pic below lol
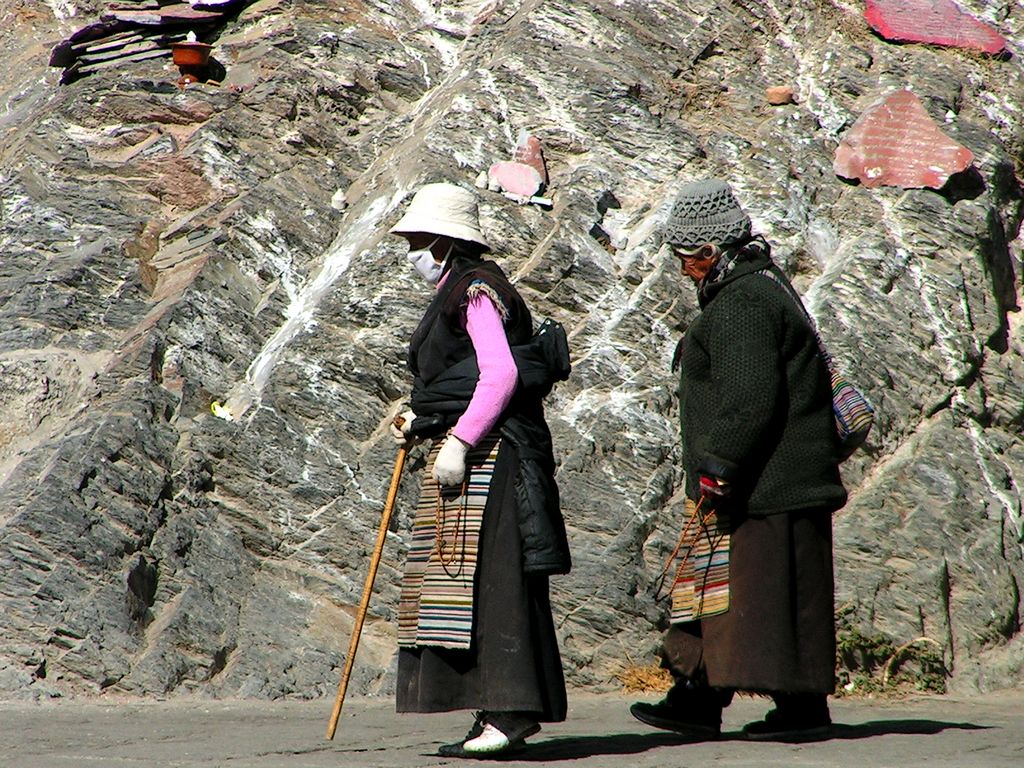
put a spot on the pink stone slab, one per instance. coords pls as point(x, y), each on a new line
point(168, 14)
point(529, 152)
point(896, 143)
point(517, 178)
point(940, 22)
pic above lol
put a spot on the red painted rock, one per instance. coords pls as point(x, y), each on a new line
point(940, 22)
point(529, 152)
point(896, 143)
point(517, 178)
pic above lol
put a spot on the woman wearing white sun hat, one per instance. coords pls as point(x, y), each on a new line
point(475, 623)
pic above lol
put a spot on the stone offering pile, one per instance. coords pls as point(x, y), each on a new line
point(128, 32)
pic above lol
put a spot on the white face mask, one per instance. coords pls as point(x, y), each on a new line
point(423, 260)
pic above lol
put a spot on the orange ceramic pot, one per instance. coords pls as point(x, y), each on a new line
point(191, 54)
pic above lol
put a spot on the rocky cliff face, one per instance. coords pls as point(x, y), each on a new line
point(164, 248)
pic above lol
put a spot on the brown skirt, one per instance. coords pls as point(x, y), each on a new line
point(513, 664)
point(778, 635)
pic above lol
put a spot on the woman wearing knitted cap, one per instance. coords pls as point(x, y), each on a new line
point(752, 597)
point(475, 625)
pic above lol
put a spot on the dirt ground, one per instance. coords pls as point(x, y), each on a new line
point(985, 731)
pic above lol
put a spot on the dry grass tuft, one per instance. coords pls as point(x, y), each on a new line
point(649, 679)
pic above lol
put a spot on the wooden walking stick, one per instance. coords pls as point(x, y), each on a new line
point(382, 532)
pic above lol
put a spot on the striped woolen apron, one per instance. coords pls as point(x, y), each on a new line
point(435, 607)
point(701, 585)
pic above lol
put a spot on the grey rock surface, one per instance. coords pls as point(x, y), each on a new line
point(162, 249)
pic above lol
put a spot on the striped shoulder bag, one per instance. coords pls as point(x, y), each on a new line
point(853, 413)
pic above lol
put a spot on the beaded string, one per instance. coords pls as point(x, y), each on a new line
point(458, 548)
point(686, 555)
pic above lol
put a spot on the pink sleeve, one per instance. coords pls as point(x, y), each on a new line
point(498, 373)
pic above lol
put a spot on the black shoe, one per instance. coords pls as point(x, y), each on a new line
point(686, 709)
point(670, 719)
point(517, 726)
point(455, 749)
point(792, 723)
point(506, 733)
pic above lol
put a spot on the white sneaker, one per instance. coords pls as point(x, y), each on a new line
point(491, 740)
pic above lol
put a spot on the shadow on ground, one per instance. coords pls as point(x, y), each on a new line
point(576, 748)
point(889, 727)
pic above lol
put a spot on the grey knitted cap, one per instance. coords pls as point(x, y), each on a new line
point(706, 212)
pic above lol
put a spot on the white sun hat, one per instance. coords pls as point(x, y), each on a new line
point(443, 209)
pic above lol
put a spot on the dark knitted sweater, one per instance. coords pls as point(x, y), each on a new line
point(756, 397)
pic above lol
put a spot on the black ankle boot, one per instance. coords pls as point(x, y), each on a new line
point(692, 709)
point(796, 717)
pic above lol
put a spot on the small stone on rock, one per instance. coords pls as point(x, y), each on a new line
point(779, 94)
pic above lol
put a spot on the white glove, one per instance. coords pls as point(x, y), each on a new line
point(400, 434)
point(450, 464)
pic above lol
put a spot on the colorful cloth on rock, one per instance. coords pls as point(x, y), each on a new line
point(435, 607)
point(701, 585)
